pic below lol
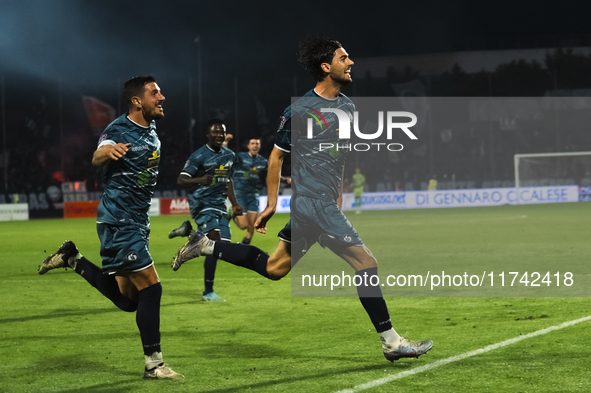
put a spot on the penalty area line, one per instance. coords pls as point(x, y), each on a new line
point(456, 358)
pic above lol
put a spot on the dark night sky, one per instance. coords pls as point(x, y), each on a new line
point(90, 47)
point(81, 40)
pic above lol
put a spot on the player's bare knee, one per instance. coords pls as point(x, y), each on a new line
point(368, 263)
point(277, 268)
point(367, 260)
point(275, 275)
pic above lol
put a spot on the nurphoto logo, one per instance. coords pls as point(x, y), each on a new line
point(344, 119)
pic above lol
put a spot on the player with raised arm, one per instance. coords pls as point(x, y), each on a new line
point(208, 176)
point(249, 167)
point(317, 179)
point(128, 153)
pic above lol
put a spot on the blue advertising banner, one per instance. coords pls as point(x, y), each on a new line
point(463, 198)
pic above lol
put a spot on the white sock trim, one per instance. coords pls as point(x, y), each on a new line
point(390, 339)
point(73, 261)
point(208, 248)
point(153, 360)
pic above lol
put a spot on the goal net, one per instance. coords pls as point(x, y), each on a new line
point(553, 169)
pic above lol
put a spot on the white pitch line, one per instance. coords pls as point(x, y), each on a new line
point(456, 358)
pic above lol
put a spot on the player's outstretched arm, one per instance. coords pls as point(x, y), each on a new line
point(236, 208)
point(261, 222)
point(186, 181)
point(274, 176)
point(105, 153)
point(273, 180)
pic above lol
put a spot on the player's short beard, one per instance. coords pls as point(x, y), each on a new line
point(153, 115)
point(343, 81)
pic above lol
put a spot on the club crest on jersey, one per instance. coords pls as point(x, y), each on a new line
point(132, 256)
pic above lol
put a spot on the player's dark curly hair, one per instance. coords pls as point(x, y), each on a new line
point(315, 50)
point(135, 87)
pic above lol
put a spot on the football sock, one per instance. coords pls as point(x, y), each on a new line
point(243, 255)
point(207, 248)
point(390, 339)
point(209, 272)
point(245, 241)
point(148, 318)
point(106, 284)
point(73, 261)
point(372, 300)
point(154, 360)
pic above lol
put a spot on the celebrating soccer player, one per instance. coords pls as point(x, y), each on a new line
point(249, 166)
point(317, 177)
point(128, 153)
point(207, 175)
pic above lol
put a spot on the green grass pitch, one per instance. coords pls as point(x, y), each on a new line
point(58, 334)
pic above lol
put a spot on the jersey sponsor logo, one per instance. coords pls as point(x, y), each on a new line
point(154, 160)
point(139, 148)
point(336, 151)
point(143, 178)
point(220, 175)
point(252, 173)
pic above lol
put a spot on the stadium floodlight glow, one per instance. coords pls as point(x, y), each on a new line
point(552, 169)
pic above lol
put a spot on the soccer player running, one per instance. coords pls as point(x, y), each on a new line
point(248, 169)
point(358, 184)
point(128, 153)
point(207, 175)
point(317, 178)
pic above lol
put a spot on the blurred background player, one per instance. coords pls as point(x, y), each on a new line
point(358, 184)
point(128, 153)
point(317, 179)
point(249, 167)
point(432, 184)
point(207, 174)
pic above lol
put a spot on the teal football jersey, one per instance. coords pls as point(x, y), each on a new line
point(129, 182)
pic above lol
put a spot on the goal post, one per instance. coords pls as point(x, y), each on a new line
point(552, 169)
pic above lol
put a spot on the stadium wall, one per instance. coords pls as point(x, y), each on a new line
point(370, 201)
point(14, 211)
